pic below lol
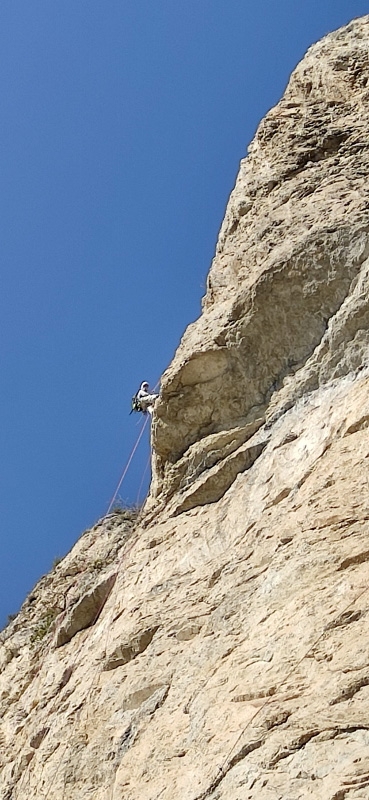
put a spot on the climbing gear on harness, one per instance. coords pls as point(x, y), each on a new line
point(143, 400)
point(135, 404)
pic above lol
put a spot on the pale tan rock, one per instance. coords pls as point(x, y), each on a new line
point(230, 656)
point(286, 306)
point(86, 611)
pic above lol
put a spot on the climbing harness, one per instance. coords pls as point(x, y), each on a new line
point(143, 399)
point(125, 553)
point(135, 404)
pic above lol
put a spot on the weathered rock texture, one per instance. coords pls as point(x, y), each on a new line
point(219, 648)
point(285, 311)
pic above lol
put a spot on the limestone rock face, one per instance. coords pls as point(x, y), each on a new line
point(285, 310)
point(218, 647)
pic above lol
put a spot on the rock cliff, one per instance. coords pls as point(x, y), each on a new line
point(218, 646)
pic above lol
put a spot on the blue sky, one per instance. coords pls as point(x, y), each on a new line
point(122, 127)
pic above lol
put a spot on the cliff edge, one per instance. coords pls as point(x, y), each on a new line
point(218, 648)
point(285, 311)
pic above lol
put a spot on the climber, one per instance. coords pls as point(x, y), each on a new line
point(144, 400)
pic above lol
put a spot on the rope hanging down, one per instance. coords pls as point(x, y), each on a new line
point(122, 557)
point(112, 501)
point(142, 480)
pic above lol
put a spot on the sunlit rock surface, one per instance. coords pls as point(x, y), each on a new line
point(218, 647)
point(286, 306)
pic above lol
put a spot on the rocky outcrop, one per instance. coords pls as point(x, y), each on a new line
point(286, 306)
point(217, 648)
point(86, 611)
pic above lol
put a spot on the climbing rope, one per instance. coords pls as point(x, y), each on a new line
point(124, 554)
point(228, 762)
point(142, 480)
point(126, 468)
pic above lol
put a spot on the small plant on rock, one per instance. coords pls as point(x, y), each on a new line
point(43, 626)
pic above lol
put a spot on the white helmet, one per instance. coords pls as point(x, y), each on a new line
point(144, 385)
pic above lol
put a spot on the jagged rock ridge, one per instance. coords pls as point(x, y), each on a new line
point(218, 648)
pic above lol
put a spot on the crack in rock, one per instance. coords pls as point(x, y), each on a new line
point(127, 651)
point(223, 771)
point(86, 611)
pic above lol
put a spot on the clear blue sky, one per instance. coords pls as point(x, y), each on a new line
point(122, 127)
